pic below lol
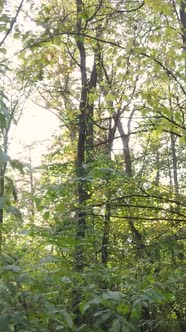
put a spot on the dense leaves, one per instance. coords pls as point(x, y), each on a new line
point(93, 239)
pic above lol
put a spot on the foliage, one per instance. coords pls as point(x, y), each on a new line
point(93, 239)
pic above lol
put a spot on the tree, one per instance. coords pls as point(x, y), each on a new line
point(10, 109)
point(106, 237)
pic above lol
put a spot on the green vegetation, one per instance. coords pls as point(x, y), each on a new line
point(94, 238)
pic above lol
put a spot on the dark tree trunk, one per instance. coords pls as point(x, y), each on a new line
point(183, 22)
point(81, 191)
point(106, 226)
point(137, 237)
point(157, 168)
point(2, 185)
point(3, 167)
point(84, 155)
point(105, 239)
point(80, 170)
point(174, 163)
point(126, 148)
point(90, 108)
point(85, 138)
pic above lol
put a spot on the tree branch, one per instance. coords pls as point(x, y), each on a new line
point(12, 24)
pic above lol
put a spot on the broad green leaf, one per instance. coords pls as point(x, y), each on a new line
point(4, 322)
point(3, 157)
point(16, 164)
point(2, 202)
point(116, 326)
point(3, 50)
point(2, 121)
point(68, 319)
point(15, 211)
point(13, 268)
point(110, 97)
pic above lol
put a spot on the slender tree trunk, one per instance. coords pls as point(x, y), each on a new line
point(81, 191)
point(80, 170)
point(91, 90)
point(32, 207)
point(183, 22)
point(126, 148)
point(2, 187)
point(105, 238)
point(3, 166)
point(84, 155)
point(90, 107)
point(157, 168)
point(85, 138)
point(67, 103)
point(138, 239)
point(107, 219)
point(169, 167)
point(174, 163)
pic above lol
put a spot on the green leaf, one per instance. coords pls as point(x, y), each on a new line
point(110, 97)
point(2, 202)
point(116, 326)
point(16, 164)
point(68, 319)
point(2, 121)
point(84, 14)
point(116, 296)
point(3, 157)
point(25, 278)
point(123, 308)
point(46, 215)
point(3, 50)
point(15, 211)
point(13, 268)
point(4, 323)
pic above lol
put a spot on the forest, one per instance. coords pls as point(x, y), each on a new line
point(92, 239)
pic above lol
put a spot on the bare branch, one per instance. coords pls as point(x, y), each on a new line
point(12, 24)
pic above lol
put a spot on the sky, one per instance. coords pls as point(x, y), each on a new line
point(33, 134)
point(36, 126)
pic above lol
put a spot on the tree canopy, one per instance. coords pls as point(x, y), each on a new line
point(93, 239)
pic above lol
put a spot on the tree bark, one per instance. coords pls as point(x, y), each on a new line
point(126, 148)
point(105, 238)
point(174, 163)
point(85, 136)
point(107, 218)
point(81, 191)
point(183, 22)
point(2, 186)
point(157, 168)
point(137, 237)
point(3, 166)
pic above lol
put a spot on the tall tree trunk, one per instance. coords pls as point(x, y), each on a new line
point(107, 218)
point(126, 148)
point(2, 188)
point(84, 153)
point(85, 136)
point(183, 22)
point(80, 172)
point(3, 166)
point(157, 168)
point(174, 163)
point(90, 107)
point(106, 226)
point(91, 90)
point(138, 239)
point(31, 178)
point(105, 238)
